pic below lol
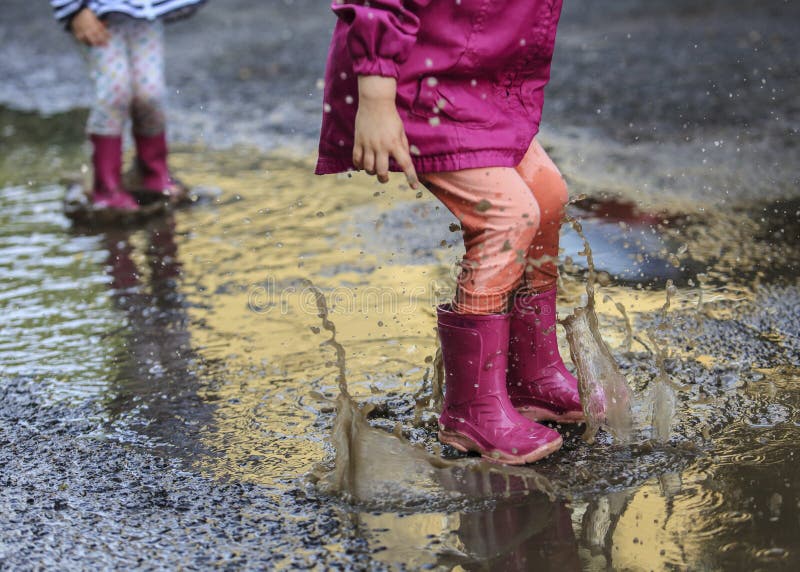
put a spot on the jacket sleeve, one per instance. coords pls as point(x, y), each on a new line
point(380, 33)
point(64, 10)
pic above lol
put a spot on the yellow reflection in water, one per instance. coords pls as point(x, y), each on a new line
point(275, 225)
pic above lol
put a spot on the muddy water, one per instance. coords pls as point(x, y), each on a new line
point(201, 338)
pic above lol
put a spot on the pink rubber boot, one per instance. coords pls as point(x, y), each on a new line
point(477, 414)
point(107, 191)
point(539, 384)
point(151, 160)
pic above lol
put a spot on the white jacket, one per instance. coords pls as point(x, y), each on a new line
point(141, 9)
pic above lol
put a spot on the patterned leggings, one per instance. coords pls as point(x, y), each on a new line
point(128, 75)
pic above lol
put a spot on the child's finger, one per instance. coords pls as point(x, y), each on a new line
point(358, 157)
point(404, 161)
point(102, 32)
point(382, 166)
point(92, 37)
point(369, 161)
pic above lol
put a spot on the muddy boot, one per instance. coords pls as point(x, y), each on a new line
point(107, 191)
point(539, 384)
point(477, 414)
point(152, 176)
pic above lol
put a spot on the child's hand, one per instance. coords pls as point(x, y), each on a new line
point(379, 131)
point(89, 29)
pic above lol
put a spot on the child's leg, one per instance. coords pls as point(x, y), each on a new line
point(146, 46)
point(539, 384)
point(499, 218)
point(544, 179)
point(110, 73)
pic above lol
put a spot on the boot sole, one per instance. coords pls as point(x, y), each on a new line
point(543, 414)
point(465, 444)
point(79, 209)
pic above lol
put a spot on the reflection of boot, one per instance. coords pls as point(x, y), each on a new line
point(163, 252)
point(165, 267)
point(122, 269)
point(152, 168)
point(107, 191)
point(477, 414)
point(539, 384)
point(534, 534)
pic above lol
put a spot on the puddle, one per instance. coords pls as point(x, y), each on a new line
point(199, 335)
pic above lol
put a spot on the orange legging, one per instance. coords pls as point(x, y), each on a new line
point(510, 219)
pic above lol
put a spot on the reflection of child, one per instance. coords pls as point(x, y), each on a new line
point(454, 91)
point(126, 57)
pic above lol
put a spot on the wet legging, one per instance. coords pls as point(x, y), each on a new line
point(510, 219)
point(128, 75)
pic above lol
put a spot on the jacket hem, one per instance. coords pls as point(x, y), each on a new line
point(168, 11)
point(446, 162)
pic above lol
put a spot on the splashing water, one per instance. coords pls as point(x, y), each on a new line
point(376, 467)
point(604, 391)
point(366, 462)
point(662, 395)
point(628, 342)
point(662, 399)
point(431, 393)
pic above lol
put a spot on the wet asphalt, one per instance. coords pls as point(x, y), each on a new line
point(696, 101)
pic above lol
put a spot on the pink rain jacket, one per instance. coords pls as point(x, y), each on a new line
point(470, 77)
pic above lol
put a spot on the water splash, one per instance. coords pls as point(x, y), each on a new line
point(627, 343)
point(662, 394)
point(372, 466)
point(662, 398)
point(604, 391)
point(431, 393)
point(605, 394)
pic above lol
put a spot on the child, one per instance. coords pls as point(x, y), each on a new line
point(453, 91)
point(126, 58)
